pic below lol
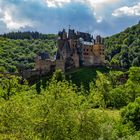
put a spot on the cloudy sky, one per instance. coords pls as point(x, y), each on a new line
point(105, 17)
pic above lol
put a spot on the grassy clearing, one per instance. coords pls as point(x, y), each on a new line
point(83, 76)
point(113, 114)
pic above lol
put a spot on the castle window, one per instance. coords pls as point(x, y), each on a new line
point(102, 49)
point(85, 53)
point(87, 50)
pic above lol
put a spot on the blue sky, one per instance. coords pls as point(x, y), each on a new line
point(105, 17)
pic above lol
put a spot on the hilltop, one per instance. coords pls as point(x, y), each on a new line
point(86, 103)
point(123, 49)
point(19, 49)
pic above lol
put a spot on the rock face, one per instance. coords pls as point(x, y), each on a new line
point(75, 49)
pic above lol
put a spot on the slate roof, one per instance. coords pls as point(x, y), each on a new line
point(67, 47)
point(86, 36)
point(44, 55)
point(72, 34)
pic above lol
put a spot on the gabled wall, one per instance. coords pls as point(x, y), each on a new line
point(91, 53)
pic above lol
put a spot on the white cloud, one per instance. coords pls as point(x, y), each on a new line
point(128, 11)
point(97, 6)
point(93, 3)
point(99, 19)
point(56, 3)
point(37, 14)
point(11, 22)
point(14, 24)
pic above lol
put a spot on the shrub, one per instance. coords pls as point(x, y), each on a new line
point(131, 113)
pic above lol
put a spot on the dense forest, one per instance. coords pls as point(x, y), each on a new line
point(58, 109)
point(28, 35)
point(16, 52)
point(123, 49)
point(82, 104)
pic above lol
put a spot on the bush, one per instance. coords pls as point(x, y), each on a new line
point(131, 113)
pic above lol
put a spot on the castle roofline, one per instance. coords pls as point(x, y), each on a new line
point(87, 43)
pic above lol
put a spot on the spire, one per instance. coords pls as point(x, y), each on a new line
point(69, 27)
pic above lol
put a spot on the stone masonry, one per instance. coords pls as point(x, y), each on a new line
point(74, 49)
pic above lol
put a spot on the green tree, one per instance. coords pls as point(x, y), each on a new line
point(131, 113)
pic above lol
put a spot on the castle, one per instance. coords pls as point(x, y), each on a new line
point(74, 49)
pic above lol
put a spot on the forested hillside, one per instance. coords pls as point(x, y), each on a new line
point(123, 49)
point(28, 35)
point(59, 110)
point(20, 51)
point(82, 104)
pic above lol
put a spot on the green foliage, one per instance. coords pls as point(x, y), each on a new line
point(62, 111)
point(86, 107)
point(28, 35)
point(131, 114)
point(123, 49)
point(83, 76)
point(2, 69)
point(9, 86)
point(108, 91)
point(118, 97)
point(58, 113)
point(58, 75)
point(20, 53)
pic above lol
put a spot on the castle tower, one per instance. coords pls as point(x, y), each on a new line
point(98, 50)
point(72, 34)
point(99, 40)
point(64, 36)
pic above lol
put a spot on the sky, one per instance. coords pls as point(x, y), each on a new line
point(104, 17)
